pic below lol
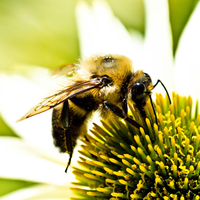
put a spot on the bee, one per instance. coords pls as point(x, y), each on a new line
point(100, 82)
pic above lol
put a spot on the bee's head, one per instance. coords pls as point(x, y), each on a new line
point(141, 88)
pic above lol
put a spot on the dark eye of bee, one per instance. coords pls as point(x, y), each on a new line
point(138, 89)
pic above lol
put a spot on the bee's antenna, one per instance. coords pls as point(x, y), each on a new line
point(159, 81)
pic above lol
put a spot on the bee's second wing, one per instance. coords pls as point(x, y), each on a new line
point(65, 70)
point(60, 96)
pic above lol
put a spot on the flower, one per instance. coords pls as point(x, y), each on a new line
point(152, 53)
point(158, 161)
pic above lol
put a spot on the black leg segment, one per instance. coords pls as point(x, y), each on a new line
point(120, 113)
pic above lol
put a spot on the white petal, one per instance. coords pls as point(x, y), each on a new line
point(158, 58)
point(101, 32)
point(187, 58)
point(18, 161)
point(40, 192)
point(18, 95)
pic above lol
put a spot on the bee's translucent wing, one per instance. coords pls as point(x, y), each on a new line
point(60, 96)
point(65, 70)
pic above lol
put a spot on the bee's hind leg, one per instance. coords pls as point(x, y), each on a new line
point(69, 161)
point(60, 130)
point(121, 113)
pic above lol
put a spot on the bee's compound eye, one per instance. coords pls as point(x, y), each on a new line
point(138, 91)
point(138, 88)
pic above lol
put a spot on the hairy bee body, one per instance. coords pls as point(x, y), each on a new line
point(70, 121)
point(99, 83)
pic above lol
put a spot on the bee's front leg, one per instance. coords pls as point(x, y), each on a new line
point(121, 113)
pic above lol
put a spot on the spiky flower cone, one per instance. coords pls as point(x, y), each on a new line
point(159, 161)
